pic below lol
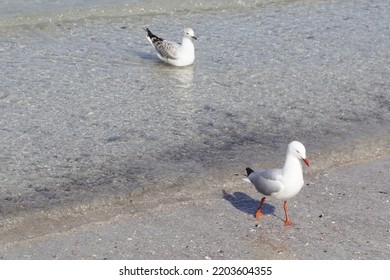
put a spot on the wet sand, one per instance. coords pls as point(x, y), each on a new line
point(341, 214)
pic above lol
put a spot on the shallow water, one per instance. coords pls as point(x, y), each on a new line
point(89, 112)
point(32, 12)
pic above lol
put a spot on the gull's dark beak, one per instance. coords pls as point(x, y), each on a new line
point(194, 37)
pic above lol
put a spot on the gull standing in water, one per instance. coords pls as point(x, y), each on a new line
point(283, 183)
point(174, 53)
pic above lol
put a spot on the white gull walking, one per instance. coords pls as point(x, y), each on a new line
point(283, 183)
point(174, 53)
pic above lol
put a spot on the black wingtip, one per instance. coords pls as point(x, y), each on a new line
point(153, 37)
point(150, 34)
point(249, 171)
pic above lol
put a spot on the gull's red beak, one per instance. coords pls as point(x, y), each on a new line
point(306, 161)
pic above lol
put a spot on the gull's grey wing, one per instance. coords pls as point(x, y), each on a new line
point(267, 181)
point(166, 48)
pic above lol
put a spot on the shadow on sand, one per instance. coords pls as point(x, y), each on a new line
point(247, 204)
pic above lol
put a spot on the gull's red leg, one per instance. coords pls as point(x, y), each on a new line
point(258, 212)
point(287, 222)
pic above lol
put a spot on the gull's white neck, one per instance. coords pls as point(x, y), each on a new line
point(292, 168)
point(187, 44)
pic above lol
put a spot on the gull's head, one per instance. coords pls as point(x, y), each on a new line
point(297, 149)
point(189, 33)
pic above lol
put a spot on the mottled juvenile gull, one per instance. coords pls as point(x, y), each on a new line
point(174, 53)
point(282, 183)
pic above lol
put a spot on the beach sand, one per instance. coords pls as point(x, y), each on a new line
point(342, 213)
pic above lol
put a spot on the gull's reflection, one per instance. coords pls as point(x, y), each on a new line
point(181, 77)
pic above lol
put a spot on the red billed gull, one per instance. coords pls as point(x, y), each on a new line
point(283, 183)
point(174, 53)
